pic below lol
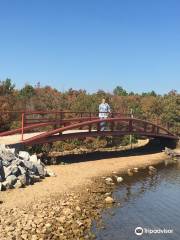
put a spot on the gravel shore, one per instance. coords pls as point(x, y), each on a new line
point(64, 206)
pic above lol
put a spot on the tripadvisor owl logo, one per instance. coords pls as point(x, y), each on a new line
point(138, 231)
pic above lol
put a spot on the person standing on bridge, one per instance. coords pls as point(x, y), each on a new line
point(104, 111)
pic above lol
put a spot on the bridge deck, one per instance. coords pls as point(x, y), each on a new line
point(16, 138)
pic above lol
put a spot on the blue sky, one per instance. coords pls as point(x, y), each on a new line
point(91, 44)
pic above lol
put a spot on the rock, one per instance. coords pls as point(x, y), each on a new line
point(6, 163)
point(15, 170)
point(48, 227)
point(24, 236)
point(50, 174)
point(7, 171)
point(109, 180)
point(151, 172)
point(6, 185)
point(108, 194)
point(109, 200)
point(2, 174)
point(11, 180)
point(2, 148)
point(34, 159)
point(135, 170)
point(11, 170)
point(23, 179)
point(66, 211)
point(17, 161)
point(30, 166)
point(119, 179)
point(35, 178)
point(9, 229)
point(40, 169)
point(22, 170)
point(61, 219)
point(129, 172)
point(78, 209)
point(12, 150)
point(34, 237)
point(153, 169)
point(18, 184)
point(7, 156)
point(24, 155)
point(79, 223)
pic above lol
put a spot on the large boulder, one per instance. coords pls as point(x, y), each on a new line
point(24, 155)
point(7, 156)
point(15, 170)
point(22, 170)
point(12, 170)
point(12, 179)
point(6, 163)
point(18, 184)
point(2, 148)
point(24, 179)
point(7, 171)
point(12, 150)
point(34, 159)
point(17, 161)
point(6, 185)
point(40, 170)
point(30, 166)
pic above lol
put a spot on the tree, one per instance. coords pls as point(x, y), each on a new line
point(119, 91)
point(7, 102)
point(6, 87)
point(25, 97)
point(27, 92)
point(152, 94)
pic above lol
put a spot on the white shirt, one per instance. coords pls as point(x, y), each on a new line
point(104, 109)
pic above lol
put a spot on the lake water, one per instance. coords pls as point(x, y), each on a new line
point(151, 202)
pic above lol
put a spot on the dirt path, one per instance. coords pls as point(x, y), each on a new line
point(71, 177)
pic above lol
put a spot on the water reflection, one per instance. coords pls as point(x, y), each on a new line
point(149, 201)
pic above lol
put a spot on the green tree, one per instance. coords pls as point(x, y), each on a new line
point(6, 87)
point(25, 97)
point(152, 94)
point(120, 91)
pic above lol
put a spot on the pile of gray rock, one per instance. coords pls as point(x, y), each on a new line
point(18, 169)
point(172, 152)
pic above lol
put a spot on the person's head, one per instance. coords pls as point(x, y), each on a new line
point(103, 100)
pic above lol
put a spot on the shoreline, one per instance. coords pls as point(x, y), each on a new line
point(72, 176)
point(64, 206)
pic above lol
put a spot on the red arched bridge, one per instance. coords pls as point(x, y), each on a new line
point(51, 126)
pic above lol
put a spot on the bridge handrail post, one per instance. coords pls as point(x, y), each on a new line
point(130, 125)
point(131, 113)
point(22, 126)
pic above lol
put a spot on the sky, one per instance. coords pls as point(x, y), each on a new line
point(91, 44)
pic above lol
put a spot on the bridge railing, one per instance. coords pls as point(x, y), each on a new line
point(41, 116)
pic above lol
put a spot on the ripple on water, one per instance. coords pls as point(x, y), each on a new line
point(146, 201)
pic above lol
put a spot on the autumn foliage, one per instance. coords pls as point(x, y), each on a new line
point(160, 108)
